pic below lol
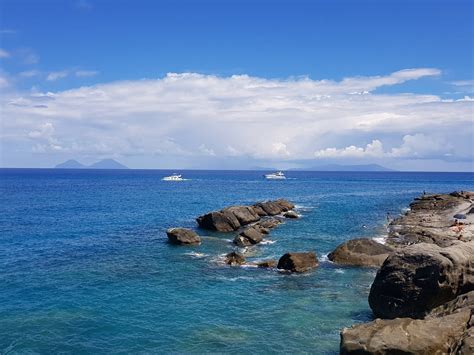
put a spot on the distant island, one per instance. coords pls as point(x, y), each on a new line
point(337, 167)
point(102, 164)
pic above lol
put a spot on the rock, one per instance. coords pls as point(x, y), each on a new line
point(420, 277)
point(298, 262)
point(244, 214)
point(182, 236)
point(285, 204)
point(259, 210)
point(406, 336)
point(234, 258)
point(291, 214)
point(271, 263)
point(271, 208)
point(446, 330)
point(360, 252)
point(219, 221)
point(248, 236)
point(269, 223)
point(232, 218)
point(459, 216)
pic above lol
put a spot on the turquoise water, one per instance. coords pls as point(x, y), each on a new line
point(85, 266)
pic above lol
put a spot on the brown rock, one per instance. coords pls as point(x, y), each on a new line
point(234, 259)
point(182, 236)
point(219, 221)
point(446, 330)
point(360, 252)
point(244, 214)
point(420, 277)
point(298, 262)
point(248, 236)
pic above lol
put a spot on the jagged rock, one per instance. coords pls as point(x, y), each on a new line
point(285, 204)
point(446, 330)
point(182, 236)
point(271, 208)
point(232, 218)
point(298, 262)
point(271, 263)
point(234, 258)
point(269, 223)
point(360, 252)
point(219, 221)
point(420, 277)
point(291, 214)
point(248, 236)
point(244, 214)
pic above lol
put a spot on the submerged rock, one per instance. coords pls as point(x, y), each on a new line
point(271, 263)
point(420, 277)
point(298, 262)
point(446, 330)
point(248, 236)
point(234, 258)
point(360, 252)
point(182, 236)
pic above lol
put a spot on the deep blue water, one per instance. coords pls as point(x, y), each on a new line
point(85, 266)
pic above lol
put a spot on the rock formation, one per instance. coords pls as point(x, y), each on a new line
point(360, 252)
point(232, 218)
point(182, 236)
point(298, 262)
point(418, 278)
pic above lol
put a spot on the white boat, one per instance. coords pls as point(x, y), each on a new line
point(174, 177)
point(275, 176)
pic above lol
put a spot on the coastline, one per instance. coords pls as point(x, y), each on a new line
point(425, 285)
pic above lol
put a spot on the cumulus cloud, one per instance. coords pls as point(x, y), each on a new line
point(194, 115)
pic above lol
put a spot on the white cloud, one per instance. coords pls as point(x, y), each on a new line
point(371, 150)
point(86, 73)
point(242, 116)
point(53, 76)
point(463, 83)
point(4, 82)
point(4, 53)
point(413, 146)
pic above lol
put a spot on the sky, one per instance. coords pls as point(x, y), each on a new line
point(238, 84)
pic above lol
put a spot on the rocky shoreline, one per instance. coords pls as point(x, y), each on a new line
point(423, 292)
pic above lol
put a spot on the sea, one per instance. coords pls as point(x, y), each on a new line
point(85, 266)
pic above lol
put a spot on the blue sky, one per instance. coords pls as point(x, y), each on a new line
point(57, 46)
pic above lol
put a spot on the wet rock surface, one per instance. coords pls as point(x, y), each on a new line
point(234, 259)
point(182, 236)
point(360, 252)
point(298, 262)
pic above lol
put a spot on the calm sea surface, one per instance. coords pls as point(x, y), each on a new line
point(85, 266)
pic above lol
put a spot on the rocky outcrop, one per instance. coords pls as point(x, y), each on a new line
point(418, 278)
point(360, 252)
point(232, 218)
point(182, 236)
point(249, 236)
point(268, 223)
point(298, 262)
point(234, 259)
point(430, 220)
point(446, 330)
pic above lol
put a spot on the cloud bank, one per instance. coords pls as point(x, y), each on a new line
point(196, 118)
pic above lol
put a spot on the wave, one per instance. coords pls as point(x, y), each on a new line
point(196, 254)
